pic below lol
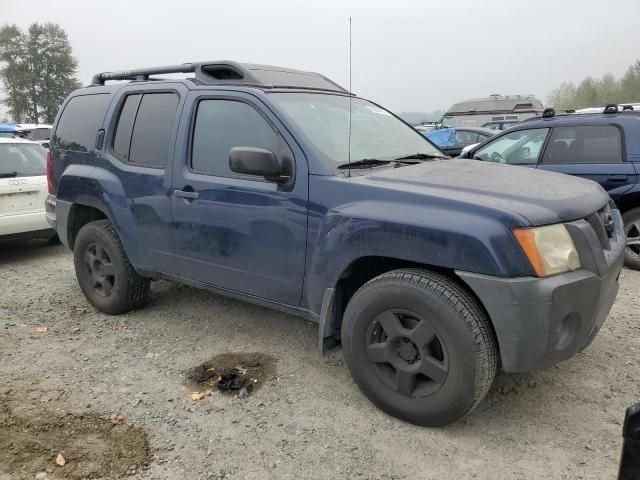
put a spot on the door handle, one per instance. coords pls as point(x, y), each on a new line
point(617, 178)
point(186, 194)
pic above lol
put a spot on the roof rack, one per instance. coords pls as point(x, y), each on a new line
point(548, 113)
point(230, 73)
point(611, 108)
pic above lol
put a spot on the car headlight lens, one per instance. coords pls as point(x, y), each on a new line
point(550, 249)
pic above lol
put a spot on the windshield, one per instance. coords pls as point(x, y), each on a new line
point(447, 121)
point(375, 133)
point(24, 160)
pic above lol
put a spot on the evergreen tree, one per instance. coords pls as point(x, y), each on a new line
point(37, 71)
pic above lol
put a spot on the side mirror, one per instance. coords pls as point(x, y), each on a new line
point(466, 151)
point(256, 161)
point(525, 152)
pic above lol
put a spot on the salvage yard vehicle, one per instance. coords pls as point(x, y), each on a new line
point(495, 111)
point(248, 180)
point(23, 190)
point(600, 146)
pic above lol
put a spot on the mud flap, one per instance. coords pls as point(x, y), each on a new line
point(327, 331)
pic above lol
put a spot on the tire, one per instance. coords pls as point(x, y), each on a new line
point(631, 220)
point(419, 347)
point(104, 272)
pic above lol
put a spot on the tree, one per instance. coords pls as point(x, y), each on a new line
point(38, 71)
point(592, 92)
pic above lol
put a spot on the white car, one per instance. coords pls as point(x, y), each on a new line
point(23, 190)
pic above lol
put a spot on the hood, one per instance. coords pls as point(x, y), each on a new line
point(540, 197)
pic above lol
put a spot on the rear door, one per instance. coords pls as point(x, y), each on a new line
point(594, 152)
point(138, 147)
point(23, 183)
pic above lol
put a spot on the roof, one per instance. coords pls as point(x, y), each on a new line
point(583, 118)
point(484, 130)
point(32, 126)
point(225, 72)
point(497, 103)
point(17, 140)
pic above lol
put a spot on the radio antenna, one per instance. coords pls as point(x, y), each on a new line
point(350, 97)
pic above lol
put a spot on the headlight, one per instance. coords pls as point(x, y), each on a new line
point(550, 249)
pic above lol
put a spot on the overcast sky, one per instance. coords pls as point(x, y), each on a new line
point(408, 55)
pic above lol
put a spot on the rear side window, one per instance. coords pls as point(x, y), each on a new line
point(145, 128)
point(80, 121)
point(224, 124)
point(584, 144)
point(122, 138)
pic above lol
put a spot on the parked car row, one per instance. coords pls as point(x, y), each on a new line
point(603, 147)
point(37, 132)
point(453, 140)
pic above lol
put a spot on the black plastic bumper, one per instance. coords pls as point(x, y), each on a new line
point(542, 321)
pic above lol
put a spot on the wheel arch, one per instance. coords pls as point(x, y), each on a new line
point(358, 273)
point(79, 215)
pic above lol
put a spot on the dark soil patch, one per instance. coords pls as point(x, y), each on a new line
point(30, 441)
point(236, 373)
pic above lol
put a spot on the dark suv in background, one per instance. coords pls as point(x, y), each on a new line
point(603, 147)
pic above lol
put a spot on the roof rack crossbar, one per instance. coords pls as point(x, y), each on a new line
point(224, 72)
point(141, 74)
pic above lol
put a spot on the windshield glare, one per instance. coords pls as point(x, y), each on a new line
point(24, 159)
point(375, 133)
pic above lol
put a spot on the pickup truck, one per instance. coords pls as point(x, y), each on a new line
point(280, 187)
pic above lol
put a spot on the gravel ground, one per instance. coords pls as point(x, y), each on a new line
point(91, 380)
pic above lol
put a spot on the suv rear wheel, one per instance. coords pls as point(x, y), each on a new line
point(419, 346)
point(631, 221)
point(104, 272)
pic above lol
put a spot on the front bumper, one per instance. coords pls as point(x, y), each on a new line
point(542, 321)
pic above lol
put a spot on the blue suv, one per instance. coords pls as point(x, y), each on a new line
point(603, 147)
point(281, 188)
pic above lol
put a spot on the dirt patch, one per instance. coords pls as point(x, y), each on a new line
point(236, 373)
point(32, 440)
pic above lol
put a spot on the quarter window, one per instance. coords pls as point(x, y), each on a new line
point(221, 125)
point(584, 144)
point(80, 121)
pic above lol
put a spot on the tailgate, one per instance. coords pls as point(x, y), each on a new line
point(22, 194)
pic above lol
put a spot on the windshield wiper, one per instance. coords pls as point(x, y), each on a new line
point(420, 156)
point(364, 163)
point(8, 175)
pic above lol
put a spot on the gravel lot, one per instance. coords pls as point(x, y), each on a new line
point(111, 395)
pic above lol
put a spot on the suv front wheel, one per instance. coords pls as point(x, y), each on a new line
point(104, 272)
point(419, 346)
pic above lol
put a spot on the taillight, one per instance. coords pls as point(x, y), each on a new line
point(49, 184)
